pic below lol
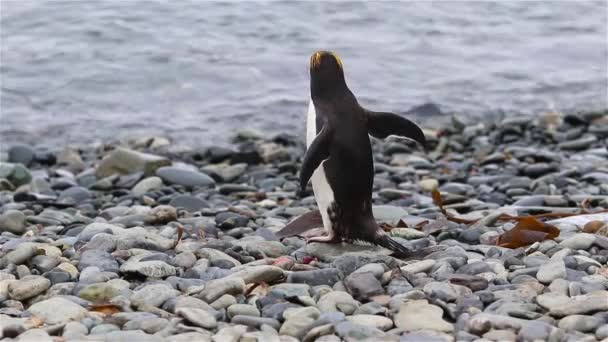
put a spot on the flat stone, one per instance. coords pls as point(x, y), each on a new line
point(184, 177)
point(338, 301)
point(13, 221)
point(28, 287)
point(151, 268)
point(580, 323)
point(579, 241)
point(189, 203)
point(419, 266)
point(214, 289)
point(258, 274)
point(98, 258)
point(548, 272)
point(375, 321)
point(153, 295)
point(419, 315)
point(198, 317)
point(560, 305)
point(57, 310)
point(363, 285)
point(146, 185)
point(124, 161)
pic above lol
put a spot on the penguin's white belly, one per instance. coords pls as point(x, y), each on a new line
point(324, 195)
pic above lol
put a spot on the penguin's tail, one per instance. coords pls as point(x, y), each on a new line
point(403, 252)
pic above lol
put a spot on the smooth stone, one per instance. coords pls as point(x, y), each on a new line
point(296, 327)
point(297, 313)
point(378, 322)
point(419, 266)
point(445, 291)
point(189, 203)
point(419, 314)
point(28, 287)
point(21, 154)
point(242, 309)
point(151, 268)
point(500, 335)
point(103, 292)
point(255, 322)
point(407, 233)
point(338, 301)
point(129, 336)
point(560, 305)
point(214, 289)
point(429, 336)
point(184, 177)
point(153, 295)
point(579, 241)
point(364, 285)
point(349, 331)
point(580, 323)
point(75, 195)
point(190, 337)
point(74, 331)
point(57, 310)
point(149, 326)
point(34, 335)
point(146, 185)
point(13, 221)
point(98, 258)
point(428, 184)
point(550, 271)
point(475, 283)
point(258, 274)
point(375, 268)
point(198, 317)
point(124, 161)
point(535, 331)
point(331, 251)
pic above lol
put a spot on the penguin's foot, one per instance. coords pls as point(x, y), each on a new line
point(326, 238)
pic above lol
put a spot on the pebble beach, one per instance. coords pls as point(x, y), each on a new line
point(150, 240)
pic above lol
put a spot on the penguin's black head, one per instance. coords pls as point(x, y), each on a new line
point(326, 75)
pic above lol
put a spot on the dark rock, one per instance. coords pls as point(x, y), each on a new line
point(184, 177)
point(327, 276)
point(22, 154)
point(98, 258)
point(189, 203)
point(229, 220)
point(363, 285)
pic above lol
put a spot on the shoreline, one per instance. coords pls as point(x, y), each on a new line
point(148, 240)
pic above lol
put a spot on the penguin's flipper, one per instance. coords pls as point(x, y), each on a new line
point(302, 223)
point(317, 152)
point(381, 125)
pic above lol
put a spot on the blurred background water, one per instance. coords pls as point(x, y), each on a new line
point(198, 71)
